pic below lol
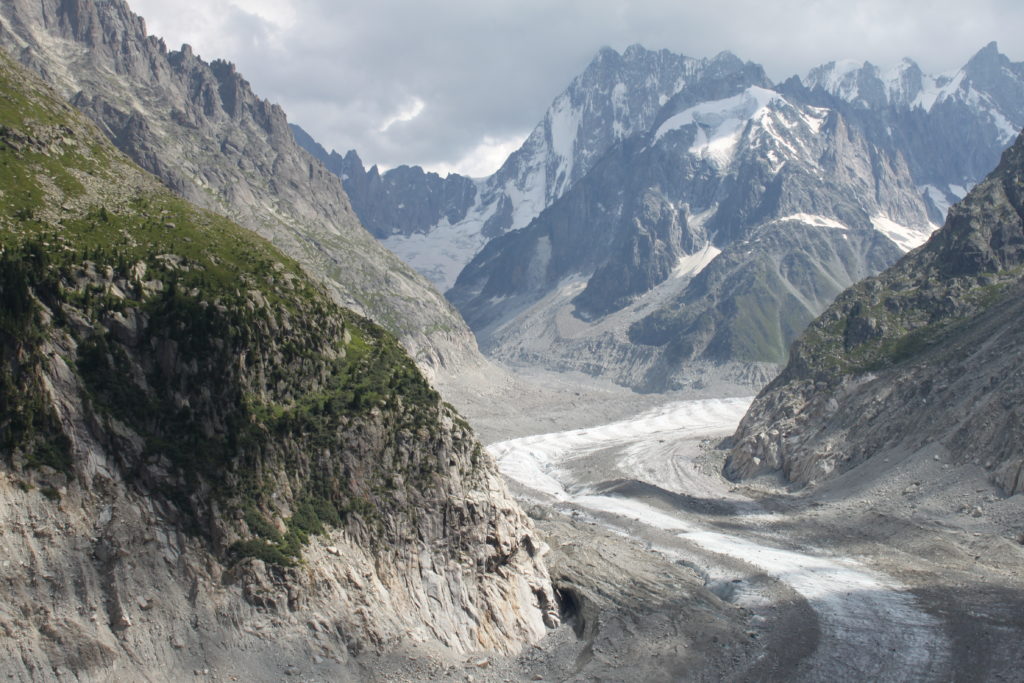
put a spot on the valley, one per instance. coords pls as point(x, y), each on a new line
point(715, 377)
point(869, 577)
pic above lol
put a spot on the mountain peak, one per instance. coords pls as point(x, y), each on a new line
point(986, 63)
point(635, 50)
point(727, 56)
point(992, 48)
point(352, 157)
point(606, 54)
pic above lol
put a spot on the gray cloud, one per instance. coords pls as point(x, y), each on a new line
point(486, 71)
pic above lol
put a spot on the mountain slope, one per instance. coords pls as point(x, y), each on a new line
point(199, 128)
point(204, 461)
point(714, 237)
point(924, 357)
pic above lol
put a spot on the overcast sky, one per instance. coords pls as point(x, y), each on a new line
point(456, 85)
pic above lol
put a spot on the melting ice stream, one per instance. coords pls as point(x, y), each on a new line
point(871, 627)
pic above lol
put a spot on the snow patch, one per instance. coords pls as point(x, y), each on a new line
point(938, 89)
point(814, 117)
point(841, 80)
point(528, 201)
point(619, 96)
point(906, 238)
point(1006, 128)
point(692, 264)
point(816, 221)
point(563, 128)
point(937, 197)
point(719, 123)
point(441, 254)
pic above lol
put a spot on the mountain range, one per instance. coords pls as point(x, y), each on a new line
point(675, 220)
point(220, 448)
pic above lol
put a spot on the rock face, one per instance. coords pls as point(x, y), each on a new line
point(199, 128)
point(723, 223)
point(205, 463)
point(404, 201)
point(924, 357)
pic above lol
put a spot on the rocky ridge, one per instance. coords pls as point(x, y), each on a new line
point(923, 359)
point(207, 465)
point(199, 128)
point(601, 107)
point(653, 164)
point(620, 95)
point(975, 110)
point(713, 238)
point(405, 200)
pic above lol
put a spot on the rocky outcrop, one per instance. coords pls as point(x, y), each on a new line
point(205, 463)
point(199, 127)
point(405, 200)
point(924, 357)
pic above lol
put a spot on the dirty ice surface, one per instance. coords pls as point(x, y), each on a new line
point(870, 626)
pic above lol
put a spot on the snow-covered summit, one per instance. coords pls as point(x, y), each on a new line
point(863, 82)
point(989, 84)
point(618, 95)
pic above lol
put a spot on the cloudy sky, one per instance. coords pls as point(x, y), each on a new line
point(456, 85)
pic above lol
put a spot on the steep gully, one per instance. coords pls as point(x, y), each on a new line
point(646, 476)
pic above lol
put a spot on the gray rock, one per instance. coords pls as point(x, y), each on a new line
point(147, 460)
point(943, 372)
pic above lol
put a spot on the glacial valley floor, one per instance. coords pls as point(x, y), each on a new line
point(908, 568)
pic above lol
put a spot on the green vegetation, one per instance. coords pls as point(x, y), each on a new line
point(251, 393)
point(869, 332)
point(372, 370)
point(28, 424)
